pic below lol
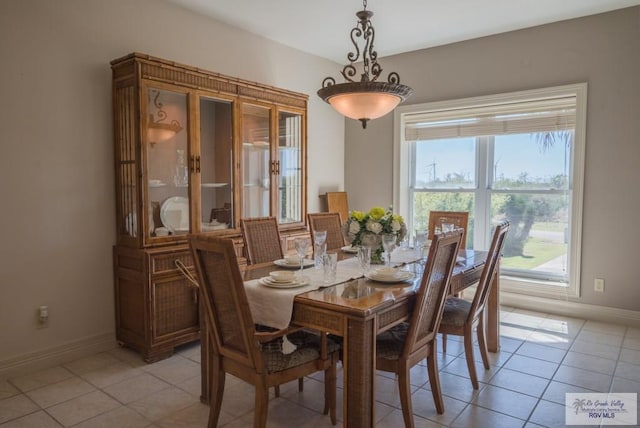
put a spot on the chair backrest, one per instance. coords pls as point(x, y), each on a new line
point(458, 218)
point(337, 203)
point(332, 224)
point(261, 239)
point(222, 215)
point(226, 308)
point(489, 270)
point(433, 290)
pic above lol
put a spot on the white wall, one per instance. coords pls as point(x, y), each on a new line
point(56, 164)
point(602, 50)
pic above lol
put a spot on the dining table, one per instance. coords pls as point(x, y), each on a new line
point(357, 309)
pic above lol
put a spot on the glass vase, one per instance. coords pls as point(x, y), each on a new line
point(374, 242)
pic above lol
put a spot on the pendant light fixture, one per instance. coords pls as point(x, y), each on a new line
point(367, 98)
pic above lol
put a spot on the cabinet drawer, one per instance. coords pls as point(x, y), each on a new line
point(166, 262)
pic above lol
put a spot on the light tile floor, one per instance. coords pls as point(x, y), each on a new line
point(542, 357)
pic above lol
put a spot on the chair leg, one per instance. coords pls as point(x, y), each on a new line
point(468, 352)
point(482, 343)
point(300, 384)
point(404, 385)
point(217, 389)
point(276, 389)
point(434, 379)
point(444, 343)
point(330, 393)
point(261, 405)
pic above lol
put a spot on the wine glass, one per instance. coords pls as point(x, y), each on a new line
point(448, 227)
point(319, 247)
point(302, 247)
point(420, 241)
point(364, 258)
point(388, 243)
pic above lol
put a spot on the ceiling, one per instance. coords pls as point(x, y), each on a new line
point(322, 27)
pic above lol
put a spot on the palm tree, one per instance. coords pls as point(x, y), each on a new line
point(548, 139)
point(579, 403)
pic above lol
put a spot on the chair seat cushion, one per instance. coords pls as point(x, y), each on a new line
point(456, 312)
point(307, 349)
point(390, 343)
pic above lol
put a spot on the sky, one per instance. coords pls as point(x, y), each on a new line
point(514, 154)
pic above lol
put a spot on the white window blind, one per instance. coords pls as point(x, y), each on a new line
point(552, 114)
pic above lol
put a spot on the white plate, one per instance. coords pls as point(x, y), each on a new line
point(349, 249)
point(461, 260)
point(213, 184)
point(267, 282)
point(174, 214)
point(271, 281)
point(401, 275)
point(296, 265)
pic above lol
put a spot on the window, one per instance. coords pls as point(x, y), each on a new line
point(516, 157)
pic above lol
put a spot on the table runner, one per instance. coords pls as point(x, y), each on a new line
point(273, 307)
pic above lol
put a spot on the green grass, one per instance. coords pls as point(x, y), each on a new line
point(548, 226)
point(537, 251)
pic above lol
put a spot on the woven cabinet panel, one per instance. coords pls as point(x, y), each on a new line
point(175, 306)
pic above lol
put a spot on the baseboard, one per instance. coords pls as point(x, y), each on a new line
point(571, 309)
point(56, 355)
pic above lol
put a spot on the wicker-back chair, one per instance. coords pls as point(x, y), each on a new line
point(458, 218)
point(460, 315)
point(406, 344)
point(331, 223)
point(238, 349)
point(261, 239)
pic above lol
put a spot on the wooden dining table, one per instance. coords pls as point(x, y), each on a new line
point(358, 310)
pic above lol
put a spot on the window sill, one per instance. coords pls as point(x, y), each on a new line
point(538, 288)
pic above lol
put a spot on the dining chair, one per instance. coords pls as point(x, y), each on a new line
point(457, 218)
point(460, 315)
point(261, 239)
point(337, 202)
point(405, 345)
point(238, 349)
point(262, 244)
point(332, 224)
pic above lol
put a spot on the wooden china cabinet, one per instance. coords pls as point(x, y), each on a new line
point(195, 151)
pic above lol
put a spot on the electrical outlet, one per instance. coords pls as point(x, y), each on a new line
point(43, 316)
point(598, 285)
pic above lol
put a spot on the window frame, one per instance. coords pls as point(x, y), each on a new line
point(402, 180)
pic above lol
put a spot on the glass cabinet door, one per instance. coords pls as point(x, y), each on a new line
point(215, 164)
point(257, 167)
point(289, 167)
point(167, 155)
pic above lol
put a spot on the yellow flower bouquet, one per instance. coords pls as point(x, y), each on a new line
point(367, 229)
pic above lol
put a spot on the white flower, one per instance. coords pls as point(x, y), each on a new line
point(354, 227)
point(395, 225)
point(374, 226)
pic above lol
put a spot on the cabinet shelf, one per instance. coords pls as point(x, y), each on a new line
point(214, 185)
